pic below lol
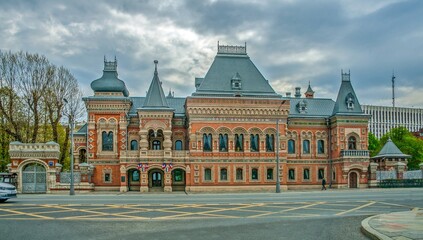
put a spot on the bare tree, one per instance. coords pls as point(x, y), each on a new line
point(34, 82)
point(11, 106)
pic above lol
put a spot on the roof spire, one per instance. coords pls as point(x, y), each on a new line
point(155, 96)
point(155, 68)
point(309, 93)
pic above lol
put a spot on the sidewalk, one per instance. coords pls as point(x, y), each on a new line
point(397, 225)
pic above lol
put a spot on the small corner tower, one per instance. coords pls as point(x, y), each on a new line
point(347, 101)
point(309, 93)
point(109, 83)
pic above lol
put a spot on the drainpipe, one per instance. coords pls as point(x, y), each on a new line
point(330, 152)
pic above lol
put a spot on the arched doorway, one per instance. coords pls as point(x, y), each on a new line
point(34, 179)
point(155, 180)
point(178, 180)
point(133, 180)
point(353, 179)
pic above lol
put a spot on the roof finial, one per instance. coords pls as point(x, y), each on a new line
point(155, 68)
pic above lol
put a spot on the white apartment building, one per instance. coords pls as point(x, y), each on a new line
point(383, 118)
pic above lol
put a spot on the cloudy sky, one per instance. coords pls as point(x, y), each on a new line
point(291, 42)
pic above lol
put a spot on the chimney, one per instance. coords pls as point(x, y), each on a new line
point(288, 94)
point(297, 92)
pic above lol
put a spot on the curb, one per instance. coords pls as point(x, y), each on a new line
point(371, 232)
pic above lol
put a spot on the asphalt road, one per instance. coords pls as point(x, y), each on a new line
point(332, 214)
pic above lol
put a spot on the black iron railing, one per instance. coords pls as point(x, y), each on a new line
point(400, 183)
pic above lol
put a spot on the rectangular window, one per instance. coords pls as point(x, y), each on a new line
point(321, 173)
point(177, 175)
point(107, 177)
point(239, 174)
point(306, 174)
point(223, 174)
point(254, 174)
point(270, 174)
point(207, 174)
point(291, 174)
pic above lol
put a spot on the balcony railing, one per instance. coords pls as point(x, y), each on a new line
point(154, 154)
point(354, 153)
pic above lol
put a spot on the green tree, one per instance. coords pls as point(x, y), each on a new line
point(374, 144)
point(407, 143)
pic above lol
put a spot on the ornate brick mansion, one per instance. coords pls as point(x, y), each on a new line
point(225, 136)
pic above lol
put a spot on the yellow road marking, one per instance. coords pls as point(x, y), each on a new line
point(210, 212)
point(356, 208)
point(90, 211)
point(27, 214)
point(286, 210)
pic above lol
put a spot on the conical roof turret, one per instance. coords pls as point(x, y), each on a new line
point(155, 96)
point(347, 101)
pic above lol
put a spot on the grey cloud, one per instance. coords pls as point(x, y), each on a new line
point(78, 34)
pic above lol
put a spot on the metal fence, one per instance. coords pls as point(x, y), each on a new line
point(65, 177)
point(416, 174)
point(382, 175)
point(401, 183)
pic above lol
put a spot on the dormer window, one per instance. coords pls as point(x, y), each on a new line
point(302, 106)
point(236, 82)
point(349, 100)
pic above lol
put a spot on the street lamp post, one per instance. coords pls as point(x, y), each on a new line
point(71, 188)
point(278, 181)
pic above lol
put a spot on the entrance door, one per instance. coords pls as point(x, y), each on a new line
point(34, 179)
point(353, 180)
point(133, 180)
point(156, 179)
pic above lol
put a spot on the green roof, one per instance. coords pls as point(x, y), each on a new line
point(347, 101)
point(313, 107)
point(109, 82)
point(229, 68)
point(176, 103)
point(390, 150)
point(155, 96)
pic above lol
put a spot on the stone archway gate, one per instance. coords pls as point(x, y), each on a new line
point(35, 164)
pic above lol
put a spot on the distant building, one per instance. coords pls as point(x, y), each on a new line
point(384, 118)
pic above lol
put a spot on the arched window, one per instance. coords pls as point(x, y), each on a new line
point(207, 142)
point(306, 146)
point(254, 174)
point(207, 174)
point(223, 174)
point(270, 143)
point(178, 145)
point(320, 146)
point(82, 155)
point(291, 146)
point(107, 140)
point(157, 145)
point(134, 145)
point(239, 143)
point(254, 143)
point(223, 142)
point(352, 143)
